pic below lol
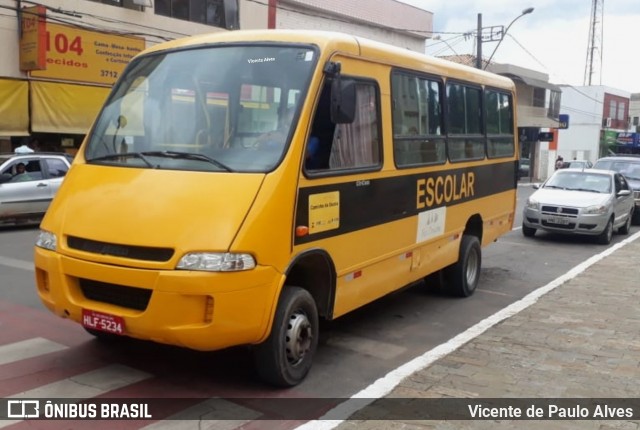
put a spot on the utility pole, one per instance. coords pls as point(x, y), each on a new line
point(479, 43)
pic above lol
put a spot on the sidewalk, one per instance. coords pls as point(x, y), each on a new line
point(579, 340)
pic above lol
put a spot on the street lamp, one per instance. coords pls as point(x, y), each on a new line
point(524, 12)
point(439, 37)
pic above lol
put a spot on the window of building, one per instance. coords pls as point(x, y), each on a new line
point(127, 4)
point(418, 136)
point(217, 13)
point(621, 108)
point(613, 108)
point(554, 105)
point(539, 97)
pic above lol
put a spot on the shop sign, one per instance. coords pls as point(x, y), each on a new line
point(609, 137)
point(628, 139)
point(33, 38)
point(86, 56)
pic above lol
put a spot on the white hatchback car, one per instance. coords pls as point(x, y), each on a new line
point(28, 183)
point(590, 202)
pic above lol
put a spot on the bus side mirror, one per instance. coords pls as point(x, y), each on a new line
point(343, 100)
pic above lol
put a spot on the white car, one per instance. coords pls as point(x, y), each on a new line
point(28, 183)
point(589, 202)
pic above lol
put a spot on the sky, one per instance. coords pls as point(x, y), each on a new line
point(553, 39)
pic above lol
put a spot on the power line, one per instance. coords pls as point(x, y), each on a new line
point(547, 70)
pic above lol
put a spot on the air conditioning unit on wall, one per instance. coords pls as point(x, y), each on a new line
point(606, 122)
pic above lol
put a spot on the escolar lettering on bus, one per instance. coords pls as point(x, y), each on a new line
point(444, 189)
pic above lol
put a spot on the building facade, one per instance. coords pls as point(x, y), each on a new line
point(60, 58)
point(598, 114)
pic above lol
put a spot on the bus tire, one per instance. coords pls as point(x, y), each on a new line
point(285, 358)
point(462, 277)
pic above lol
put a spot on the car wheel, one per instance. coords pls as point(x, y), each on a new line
point(528, 231)
point(604, 238)
point(285, 358)
point(627, 225)
point(461, 278)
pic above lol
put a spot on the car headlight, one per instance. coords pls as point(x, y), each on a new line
point(532, 204)
point(47, 240)
point(216, 262)
point(596, 210)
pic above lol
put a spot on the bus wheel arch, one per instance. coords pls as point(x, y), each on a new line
point(315, 272)
point(462, 277)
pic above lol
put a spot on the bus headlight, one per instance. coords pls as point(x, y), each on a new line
point(216, 262)
point(47, 240)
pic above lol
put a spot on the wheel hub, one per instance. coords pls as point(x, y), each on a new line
point(298, 337)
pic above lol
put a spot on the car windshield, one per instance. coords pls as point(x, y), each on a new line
point(206, 109)
point(580, 181)
point(630, 169)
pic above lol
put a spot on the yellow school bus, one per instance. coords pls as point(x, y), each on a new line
point(238, 187)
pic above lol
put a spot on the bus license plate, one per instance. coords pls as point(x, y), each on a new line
point(104, 322)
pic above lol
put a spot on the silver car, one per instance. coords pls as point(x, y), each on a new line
point(28, 183)
point(589, 202)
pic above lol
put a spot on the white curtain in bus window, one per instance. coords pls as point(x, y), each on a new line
point(417, 122)
point(357, 144)
point(466, 141)
point(499, 120)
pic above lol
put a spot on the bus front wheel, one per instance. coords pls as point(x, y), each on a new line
point(461, 278)
point(285, 358)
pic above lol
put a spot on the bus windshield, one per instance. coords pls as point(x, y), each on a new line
point(229, 108)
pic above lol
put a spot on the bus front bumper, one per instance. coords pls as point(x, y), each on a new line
point(198, 310)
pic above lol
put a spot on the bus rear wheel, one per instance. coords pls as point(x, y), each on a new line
point(463, 276)
point(285, 358)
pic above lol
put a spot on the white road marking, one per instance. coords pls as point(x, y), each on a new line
point(85, 385)
point(387, 383)
point(29, 348)
point(89, 384)
point(16, 264)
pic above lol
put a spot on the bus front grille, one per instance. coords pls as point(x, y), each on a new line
point(119, 295)
point(146, 253)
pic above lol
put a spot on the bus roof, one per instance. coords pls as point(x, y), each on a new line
point(347, 44)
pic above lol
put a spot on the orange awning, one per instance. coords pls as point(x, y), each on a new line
point(65, 108)
point(14, 107)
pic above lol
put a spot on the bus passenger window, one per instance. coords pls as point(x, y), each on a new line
point(417, 121)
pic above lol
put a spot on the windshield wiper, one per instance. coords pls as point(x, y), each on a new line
point(124, 155)
point(555, 186)
point(188, 156)
point(589, 190)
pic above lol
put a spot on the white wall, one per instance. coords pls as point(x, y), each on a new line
point(584, 107)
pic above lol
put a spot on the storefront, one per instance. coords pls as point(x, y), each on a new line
point(627, 143)
point(70, 72)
